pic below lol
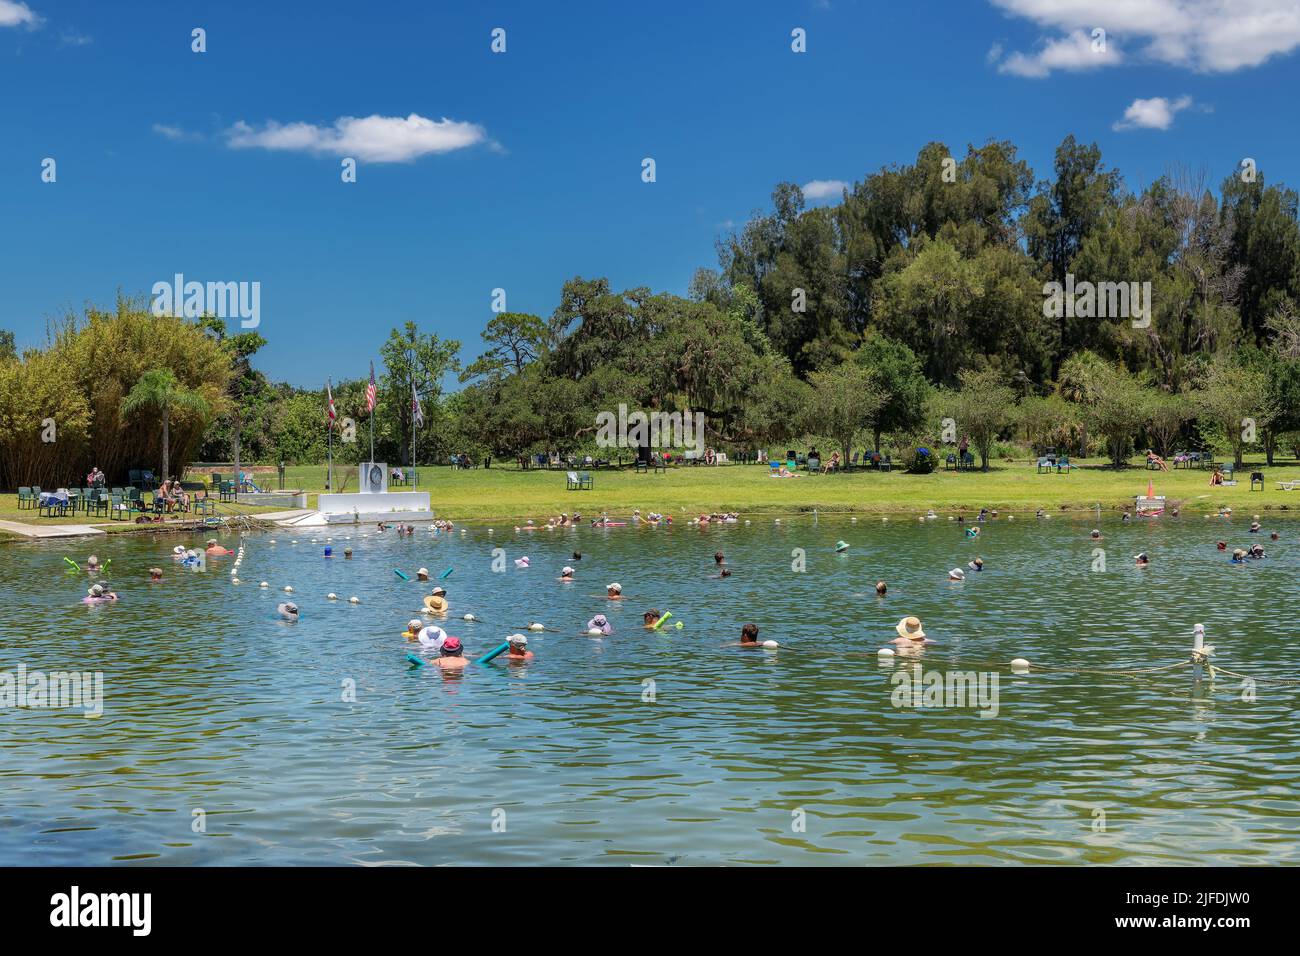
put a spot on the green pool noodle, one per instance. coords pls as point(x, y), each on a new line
point(73, 563)
point(658, 623)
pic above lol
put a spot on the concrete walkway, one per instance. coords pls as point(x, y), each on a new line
point(48, 530)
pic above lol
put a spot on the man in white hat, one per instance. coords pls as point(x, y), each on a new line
point(614, 591)
point(956, 574)
point(566, 574)
point(422, 574)
point(518, 648)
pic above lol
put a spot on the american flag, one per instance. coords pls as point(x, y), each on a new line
point(417, 413)
point(330, 413)
point(371, 393)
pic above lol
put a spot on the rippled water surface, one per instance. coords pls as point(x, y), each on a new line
point(792, 756)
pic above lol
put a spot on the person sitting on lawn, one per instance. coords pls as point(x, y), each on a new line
point(832, 464)
point(1217, 477)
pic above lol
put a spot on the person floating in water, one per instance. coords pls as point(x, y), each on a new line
point(1141, 560)
point(518, 649)
point(614, 591)
point(748, 637)
point(452, 655)
point(976, 565)
point(725, 573)
point(910, 632)
point(600, 623)
point(1095, 535)
point(651, 618)
point(1238, 556)
point(288, 610)
point(719, 559)
point(436, 602)
point(98, 595)
point(422, 574)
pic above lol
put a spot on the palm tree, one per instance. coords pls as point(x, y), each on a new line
point(1077, 383)
point(158, 389)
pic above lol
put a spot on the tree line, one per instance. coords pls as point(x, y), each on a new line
point(926, 304)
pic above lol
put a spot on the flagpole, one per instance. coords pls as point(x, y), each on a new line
point(329, 425)
point(372, 416)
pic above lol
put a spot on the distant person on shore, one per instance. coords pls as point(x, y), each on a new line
point(1154, 459)
point(1217, 477)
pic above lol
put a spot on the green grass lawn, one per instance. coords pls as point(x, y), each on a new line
point(507, 493)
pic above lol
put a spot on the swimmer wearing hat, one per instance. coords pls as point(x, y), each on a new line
point(92, 563)
point(97, 593)
point(413, 628)
point(178, 553)
point(436, 602)
point(976, 565)
point(956, 574)
point(452, 655)
point(600, 623)
point(431, 637)
point(651, 618)
point(1095, 534)
point(422, 574)
point(155, 574)
point(566, 574)
point(910, 632)
point(518, 648)
point(614, 591)
point(288, 610)
point(1141, 560)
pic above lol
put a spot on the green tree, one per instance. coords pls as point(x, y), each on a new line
point(1237, 402)
point(415, 363)
point(982, 409)
point(898, 373)
point(158, 390)
point(844, 404)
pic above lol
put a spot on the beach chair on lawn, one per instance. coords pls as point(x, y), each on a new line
point(53, 505)
point(97, 503)
point(1288, 485)
point(1045, 465)
point(885, 464)
point(117, 507)
point(950, 462)
point(1063, 464)
point(25, 499)
point(1256, 476)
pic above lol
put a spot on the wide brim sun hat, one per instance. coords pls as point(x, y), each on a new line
point(905, 629)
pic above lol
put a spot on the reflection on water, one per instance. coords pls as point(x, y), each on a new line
point(230, 737)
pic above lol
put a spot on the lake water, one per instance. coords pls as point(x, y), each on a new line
point(749, 757)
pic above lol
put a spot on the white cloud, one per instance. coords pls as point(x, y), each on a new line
point(1209, 36)
point(1155, 113)
point(824, 189)
point(1076, 51)
point(375, 139)
point(75, 39)
point(16, 14)
point(175, 133)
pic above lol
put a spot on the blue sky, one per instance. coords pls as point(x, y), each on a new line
point(225, 165)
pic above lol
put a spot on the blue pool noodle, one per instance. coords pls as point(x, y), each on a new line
point(493, 654)
point(400, 575)
point(415, 660)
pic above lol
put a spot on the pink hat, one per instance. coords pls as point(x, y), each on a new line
point(451, 644)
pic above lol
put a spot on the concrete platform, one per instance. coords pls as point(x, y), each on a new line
point(49, 530)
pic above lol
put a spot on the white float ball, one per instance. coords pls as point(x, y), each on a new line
point(536, 627)
point(771, 645)
point(354, 600)
point(1020, 665)
point(264, 585)
point(272, 541)
point(331, 596)
point(595, 632)
point(470, 617)
point(885, 652)
point(288, 589)
point(234, 580)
